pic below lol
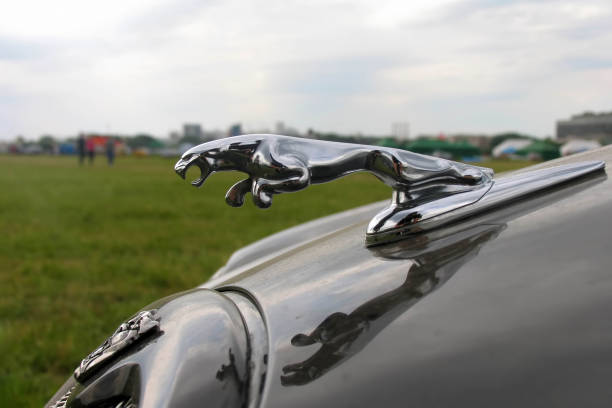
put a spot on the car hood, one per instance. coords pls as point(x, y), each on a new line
point(510, 307)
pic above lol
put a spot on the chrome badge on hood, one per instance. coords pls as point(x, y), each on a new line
point(126, 334)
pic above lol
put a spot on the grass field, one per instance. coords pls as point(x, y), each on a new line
point(83, 248)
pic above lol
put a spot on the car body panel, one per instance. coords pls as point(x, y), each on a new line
point(277, 244)
point(510, 307)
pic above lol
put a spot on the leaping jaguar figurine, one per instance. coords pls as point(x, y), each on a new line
point(279, 164)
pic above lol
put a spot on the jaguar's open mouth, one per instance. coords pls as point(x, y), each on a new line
point(187, 161)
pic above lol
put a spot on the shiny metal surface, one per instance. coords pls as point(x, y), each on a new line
point(423, 186)
point(60, 398)
point(198, 356)
point(383, 227)
point(258, 345)
point(507, 308)
point(342, 335)
point(427, 191)
point(63, 400)
point(144, 323)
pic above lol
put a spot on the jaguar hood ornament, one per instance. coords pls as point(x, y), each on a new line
point(426, 190)
point(281, 164)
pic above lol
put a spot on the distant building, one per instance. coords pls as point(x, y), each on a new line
point(279, 129)
point(235, 129)
point(192, 131)
point(400, 131)
point(175, 136)
point(587, 126)
point(214, 134)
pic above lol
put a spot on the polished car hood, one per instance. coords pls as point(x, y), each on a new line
point(197, 353)
point(508, 308)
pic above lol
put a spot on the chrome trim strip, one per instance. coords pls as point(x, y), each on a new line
point(503, 191)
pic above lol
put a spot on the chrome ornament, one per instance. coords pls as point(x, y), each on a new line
point(427, 191)
point(126, 334)
point(63, 401)
point(280, 164)
point(502, 191)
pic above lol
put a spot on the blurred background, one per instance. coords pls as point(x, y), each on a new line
point(98, 99)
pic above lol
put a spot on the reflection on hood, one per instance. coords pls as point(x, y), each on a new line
point(342, 336)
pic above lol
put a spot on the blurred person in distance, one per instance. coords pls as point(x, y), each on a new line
point(81, 148)
point(110, 150)
point(91, 149)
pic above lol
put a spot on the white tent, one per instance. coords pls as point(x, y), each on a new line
point(578, 145)
point(510, 147)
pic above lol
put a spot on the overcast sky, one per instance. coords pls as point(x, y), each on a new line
point(127, 66)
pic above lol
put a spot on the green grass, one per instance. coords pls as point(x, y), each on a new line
point(501, 166)
point(82, 248)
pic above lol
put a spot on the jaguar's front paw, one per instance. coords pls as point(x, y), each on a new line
point(235, 195)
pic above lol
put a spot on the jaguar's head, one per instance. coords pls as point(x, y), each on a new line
point(266, 176)
point(218, 155)
point(189, 159)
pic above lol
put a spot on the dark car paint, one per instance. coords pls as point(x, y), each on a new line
point(512, 308)
point(295, 237)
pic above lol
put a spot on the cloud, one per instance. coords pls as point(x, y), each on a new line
point(18, 49)
point(159, 21)
point(132, 66)
point(588, 63)
point(334, 76)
